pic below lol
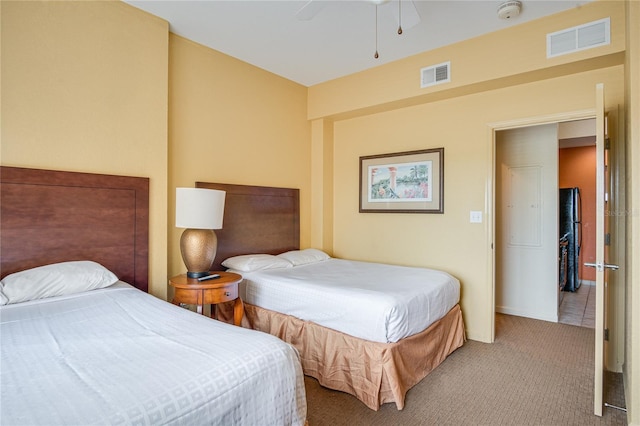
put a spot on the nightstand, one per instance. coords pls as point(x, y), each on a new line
point(190, 291)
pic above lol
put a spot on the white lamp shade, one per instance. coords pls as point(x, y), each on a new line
point(199, 208)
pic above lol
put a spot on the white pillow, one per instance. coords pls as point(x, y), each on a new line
point(56, 280)
point(3, 298)
point(255, 262)
point(302, 257)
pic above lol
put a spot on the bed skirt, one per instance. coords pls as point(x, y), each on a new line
point(375, 373)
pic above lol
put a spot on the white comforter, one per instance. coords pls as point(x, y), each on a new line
point(121, 356)
point(372, 301)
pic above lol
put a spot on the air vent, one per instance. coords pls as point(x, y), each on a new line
point(435, 74)
point(582, 37)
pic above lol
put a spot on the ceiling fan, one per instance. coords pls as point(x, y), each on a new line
point(405, 14)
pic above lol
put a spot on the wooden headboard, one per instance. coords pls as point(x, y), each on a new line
point(51, 216)
point(257, 219)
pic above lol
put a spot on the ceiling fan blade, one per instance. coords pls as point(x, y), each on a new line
point(310, 10)
point(410, 15)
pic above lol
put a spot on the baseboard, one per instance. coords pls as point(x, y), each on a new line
point(532, 315)
point(587, 282)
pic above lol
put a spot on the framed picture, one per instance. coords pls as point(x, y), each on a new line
point(403, 182)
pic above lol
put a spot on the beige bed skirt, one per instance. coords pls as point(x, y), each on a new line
point(375, 373)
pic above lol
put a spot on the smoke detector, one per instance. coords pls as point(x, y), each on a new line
point(509, 9)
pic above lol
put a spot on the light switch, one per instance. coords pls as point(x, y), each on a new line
point(475, 216)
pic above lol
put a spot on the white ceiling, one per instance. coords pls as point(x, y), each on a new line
point(339, 39)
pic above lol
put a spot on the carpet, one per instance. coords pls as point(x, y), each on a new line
point(535, 373)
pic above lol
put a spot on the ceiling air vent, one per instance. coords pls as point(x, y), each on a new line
point(435, 74)
point(582, 37)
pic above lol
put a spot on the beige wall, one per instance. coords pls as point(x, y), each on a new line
point(230, 122)
point(84, 88)
point(103, 87)
point(500, 80)
point(81, 94)
point(512, 56)
point(459, 117)
point(459, 125)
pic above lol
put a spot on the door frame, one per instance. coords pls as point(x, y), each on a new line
point(490, 207)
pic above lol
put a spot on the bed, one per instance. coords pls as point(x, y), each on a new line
point(374, 363)
point(82, 341)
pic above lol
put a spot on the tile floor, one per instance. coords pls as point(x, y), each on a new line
point(579, 307)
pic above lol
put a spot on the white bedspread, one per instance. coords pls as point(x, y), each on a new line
point(372, 301)
point(121, 356)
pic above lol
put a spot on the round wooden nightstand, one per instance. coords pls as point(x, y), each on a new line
point(190, 291)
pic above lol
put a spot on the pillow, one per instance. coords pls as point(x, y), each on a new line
point(255, 262)
point(302, 257)
point(3, 298)
point(56, 280)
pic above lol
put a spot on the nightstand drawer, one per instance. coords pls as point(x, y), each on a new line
point(220, 295)
point(188, 297)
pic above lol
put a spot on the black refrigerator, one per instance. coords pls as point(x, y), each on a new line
point(571, 228)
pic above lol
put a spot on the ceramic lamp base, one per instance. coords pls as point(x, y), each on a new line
point(198, 248)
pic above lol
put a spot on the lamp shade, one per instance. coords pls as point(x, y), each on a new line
point(199, 208)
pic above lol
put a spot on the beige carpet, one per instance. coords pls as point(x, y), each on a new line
point(536, 373)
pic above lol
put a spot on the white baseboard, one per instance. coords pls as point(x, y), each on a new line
point(587, 282)
point(533, 315)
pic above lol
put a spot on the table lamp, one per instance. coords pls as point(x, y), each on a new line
point(200, 211)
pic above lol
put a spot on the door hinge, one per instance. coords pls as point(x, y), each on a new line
point(606, 334)
point(607, 239)
point(607, 143)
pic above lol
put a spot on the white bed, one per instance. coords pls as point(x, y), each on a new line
point(79, 349)
point(372, 330)
point(266, 220)
point(372, 301)
point(120, 356)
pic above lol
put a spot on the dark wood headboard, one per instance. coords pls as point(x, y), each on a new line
point(51, 216)
point(257, 219)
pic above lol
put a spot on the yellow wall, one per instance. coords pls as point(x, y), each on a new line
point(515, 55)
point(230, 122)
point(458, 116)
point(321, 184)
point(80, 93)
point(103, 87)
point(459, 125)
point(84, 88)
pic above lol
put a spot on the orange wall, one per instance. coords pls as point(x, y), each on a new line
point(577, 168)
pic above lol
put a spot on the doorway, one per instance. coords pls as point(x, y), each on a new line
point(534, 164)
point(611, 171)
point(577, 173)
point(494, 130)
point(527, 222)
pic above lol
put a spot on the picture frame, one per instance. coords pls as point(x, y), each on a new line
point(403, 182)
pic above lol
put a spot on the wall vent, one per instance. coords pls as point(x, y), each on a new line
point(435, 74)
point(582, 37)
